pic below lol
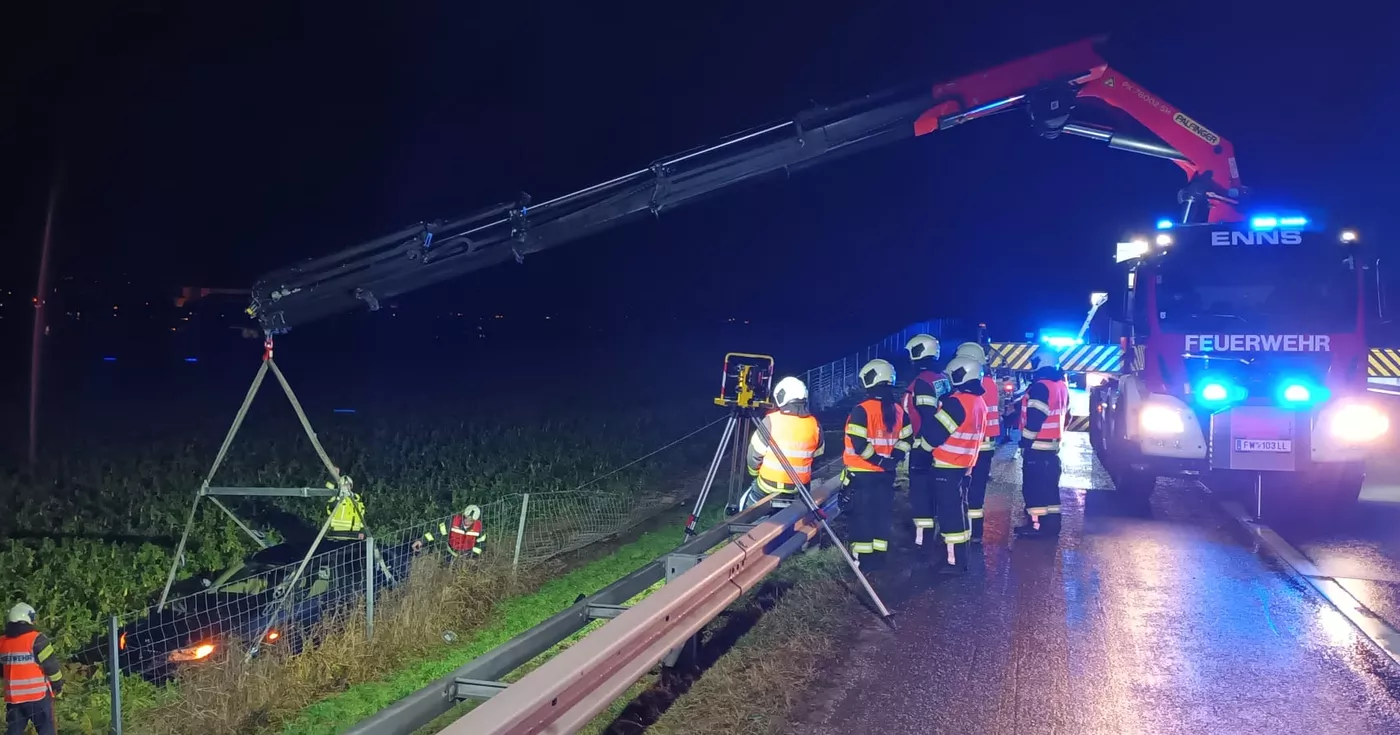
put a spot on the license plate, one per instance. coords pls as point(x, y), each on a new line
point(1263, 445)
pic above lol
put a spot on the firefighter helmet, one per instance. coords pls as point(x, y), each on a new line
point(921, 346)
point(789, 389)
point(973, 351)
point(21, 613)
point(471, 513)
point(962, 370)
point(876, 372)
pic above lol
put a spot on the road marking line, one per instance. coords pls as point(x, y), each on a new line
point(1385, 637)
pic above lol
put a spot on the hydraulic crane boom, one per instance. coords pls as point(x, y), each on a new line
point(1048, 86)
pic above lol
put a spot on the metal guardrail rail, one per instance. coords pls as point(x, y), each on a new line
point(571, 689)
point(690, 599)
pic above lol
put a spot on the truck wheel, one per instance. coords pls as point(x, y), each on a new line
point(1134, 483)
point(1343, 494)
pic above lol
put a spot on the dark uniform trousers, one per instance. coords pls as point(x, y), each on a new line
point(1040, 483)
point(977, 489)
point(19, 715)
point(872, 495)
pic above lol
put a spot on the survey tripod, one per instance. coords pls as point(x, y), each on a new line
point(746, 393)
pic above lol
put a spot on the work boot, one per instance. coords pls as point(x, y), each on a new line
point(953, 559)
point(976, 530)
point(1029, 531)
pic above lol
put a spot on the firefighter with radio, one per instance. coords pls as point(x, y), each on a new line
point(1046, 403)
point(462, 532)
point(953, 440)
point(877, 439)
point(32, 674)
point(920, 402)
point(798, 436)
point(982, 471)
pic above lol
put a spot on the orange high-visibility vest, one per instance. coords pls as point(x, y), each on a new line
point(24, 678)
point(1048, 438)
point(881, 437)
point(798, 438)
point(992, 398)
point(961, 448)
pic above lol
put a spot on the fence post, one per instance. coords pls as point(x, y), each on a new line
point(520, 529)
point(369, 587)
point(115, 664)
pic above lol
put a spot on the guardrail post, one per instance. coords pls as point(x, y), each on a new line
point(114, 663)
point(369, 587)
point(520, 529)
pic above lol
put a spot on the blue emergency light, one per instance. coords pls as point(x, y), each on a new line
point(1060, 341)
point(1269, 222)
point(1164, 224)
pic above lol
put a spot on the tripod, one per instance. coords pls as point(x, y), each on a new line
point(737, 416)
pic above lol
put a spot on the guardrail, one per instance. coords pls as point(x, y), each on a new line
point(573, 687)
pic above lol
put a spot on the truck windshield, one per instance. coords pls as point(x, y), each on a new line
point(1243, 292)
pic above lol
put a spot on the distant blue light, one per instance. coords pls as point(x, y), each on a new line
point(1293, 221)
point(191, 359)
point(344, 410)
point(1263, 223)
point(109, 359)
point(1214, 392)
point(1164, 224)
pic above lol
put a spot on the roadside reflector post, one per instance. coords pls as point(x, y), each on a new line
point(369, 587)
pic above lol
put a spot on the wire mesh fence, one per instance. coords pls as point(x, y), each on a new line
point(829, 384)
point(261, 608)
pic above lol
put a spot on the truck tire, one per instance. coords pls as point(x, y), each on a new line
point(1135, 484)
point(1343, 494)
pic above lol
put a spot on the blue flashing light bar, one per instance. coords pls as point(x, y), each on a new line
point(191, 359)
point(1269, 222)
point(109, 359)
point(1060, 341)
point(1164, 224)
point(1264, 223)
point(1293, 221)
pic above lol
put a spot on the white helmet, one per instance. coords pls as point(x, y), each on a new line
point(21, 613)
point(972, 350)
point(875, 372)
point(471, 512)
point(789, 389)
point(962, 370)
point(921, 346)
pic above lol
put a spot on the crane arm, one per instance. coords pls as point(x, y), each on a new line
point(1048, 85)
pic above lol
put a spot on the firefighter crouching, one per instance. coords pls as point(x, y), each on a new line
point(982, 471)
point(920, 402)
point(877, 440)
point(954, 439)
point(1046, 403)
point(797, 434)
point(31, 672)
point(462, 533)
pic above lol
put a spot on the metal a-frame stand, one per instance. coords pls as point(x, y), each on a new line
point(340, 488)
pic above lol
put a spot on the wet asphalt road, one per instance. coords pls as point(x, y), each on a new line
point(1160, 620)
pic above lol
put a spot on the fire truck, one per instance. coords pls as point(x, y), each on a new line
point(1246, 333)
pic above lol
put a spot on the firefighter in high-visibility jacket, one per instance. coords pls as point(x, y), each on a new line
point(462, 533)
point(982, 471)
point(920, 402)
point(877, 440)
point(1046, 403)
point(31, 673)
point(348, 517)
point(797, 435)
point(954, 439)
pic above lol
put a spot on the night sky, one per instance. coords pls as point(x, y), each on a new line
point(206, 143)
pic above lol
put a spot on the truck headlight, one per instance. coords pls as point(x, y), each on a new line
point(1158, 419)
point(1357, 423)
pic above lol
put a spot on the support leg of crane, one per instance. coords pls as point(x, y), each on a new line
point(730, 428)
point(811, 502)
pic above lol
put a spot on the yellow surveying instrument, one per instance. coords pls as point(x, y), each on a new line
point(747, 392)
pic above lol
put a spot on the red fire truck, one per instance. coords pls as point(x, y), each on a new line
point(1247, 331)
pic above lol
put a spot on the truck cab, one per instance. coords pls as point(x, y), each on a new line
point(1246, 361)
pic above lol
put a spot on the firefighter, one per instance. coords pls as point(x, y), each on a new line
point(348, 517)
point(798, 435)
point(956, 435)
point(920, 402)
point(31, 672)
point(1046, 404)
point(877, 440)
point(462, 532)
point(982, 471)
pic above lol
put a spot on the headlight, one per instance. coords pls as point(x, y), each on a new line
point(1158, 419)
point(1358, 423)
point(193, 653)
